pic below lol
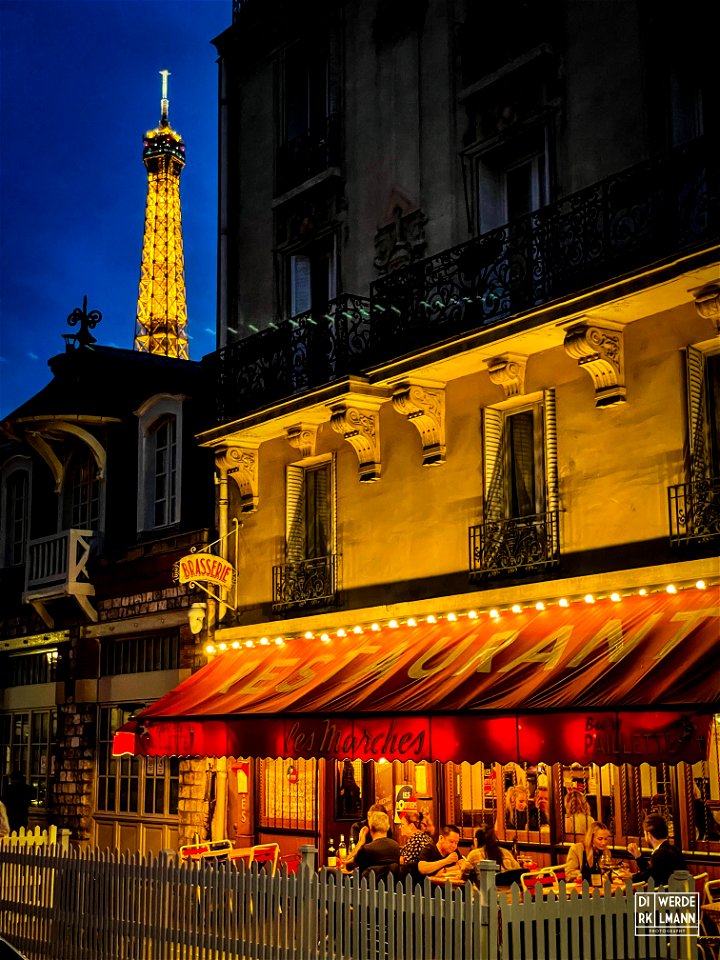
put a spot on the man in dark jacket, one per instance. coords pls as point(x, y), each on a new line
point(664, 860)
point(381, 854)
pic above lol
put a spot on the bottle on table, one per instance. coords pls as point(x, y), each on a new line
point(342, 850)
point(331, 854)
point(596, 874)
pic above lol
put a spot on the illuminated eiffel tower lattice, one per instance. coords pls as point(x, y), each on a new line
point(161, 326)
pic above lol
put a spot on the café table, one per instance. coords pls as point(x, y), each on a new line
point(711, 912)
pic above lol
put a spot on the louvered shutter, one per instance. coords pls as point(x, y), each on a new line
point(494, 464)
point(295, 513)
point(698, 419)
point(552, 498)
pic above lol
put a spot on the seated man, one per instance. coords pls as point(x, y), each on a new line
point(381, 855)
point(664, 859)
point(438, 856)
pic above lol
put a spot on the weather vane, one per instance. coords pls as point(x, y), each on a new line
point(87, 321)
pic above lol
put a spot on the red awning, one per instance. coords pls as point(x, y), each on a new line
point(607, 682)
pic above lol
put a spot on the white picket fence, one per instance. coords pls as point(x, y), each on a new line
point(36, 837)
point(108, 906)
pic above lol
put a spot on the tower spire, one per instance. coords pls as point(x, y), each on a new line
point(161, 325)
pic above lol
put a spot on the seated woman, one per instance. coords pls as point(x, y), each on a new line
point(487, 847)
point(583, 859)
point(415, 829)
point(578, 815)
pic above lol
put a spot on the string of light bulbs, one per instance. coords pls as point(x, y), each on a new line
point(326, 636)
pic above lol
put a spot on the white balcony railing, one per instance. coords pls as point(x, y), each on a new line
point(59, 561)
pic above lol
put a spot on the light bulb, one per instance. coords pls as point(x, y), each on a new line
point(539, 605)
point(452, 616)
point(472, 614)
point(249, 644)
point(325, 637)
point(412, 622)
point(671, 588)
point(341, 632)
point(210, 649)
point(431, 619)
point(516, 608)
point(700, 584)
point(222, 646)
point(589, 598)
point(309, 634)
point(563, 602)
point(615, 597)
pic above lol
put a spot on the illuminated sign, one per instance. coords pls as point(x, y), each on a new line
point(205, 566)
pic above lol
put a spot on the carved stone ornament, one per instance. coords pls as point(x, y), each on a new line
point(303, 436)
point(360, 426)
point(400, 239)
point(707, 303)
point(424, 406)
point(598, 349)
point(240, 462)
point(508, 372)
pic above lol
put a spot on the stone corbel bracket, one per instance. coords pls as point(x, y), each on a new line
point(358, 421)
point(240, 463)
point(707, 303)
point(508, 372)
point(598, 349)
point(423, 403)
point(303, 436)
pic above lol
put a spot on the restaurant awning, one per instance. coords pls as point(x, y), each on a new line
point(632, 681)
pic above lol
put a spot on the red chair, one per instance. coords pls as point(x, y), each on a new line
point(266, 853)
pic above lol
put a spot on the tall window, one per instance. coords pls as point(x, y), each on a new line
point(510, 184)
point(84, 494)
point(515, 461)
point(159, 462)
point(15, 516)
point(313, 276)
point(288, 794)
point(703, 398)
point(164, 444)
point(147, 785)
point(26, 742)
point(310, 498)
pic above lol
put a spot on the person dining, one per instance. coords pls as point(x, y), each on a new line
point(380, 855)
point(486, 846)
point(665, 858)
point(584, 858)
point(517, 815)
point(415, 830)
point(441, 855)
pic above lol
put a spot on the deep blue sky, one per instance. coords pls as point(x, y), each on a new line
point(79, 86)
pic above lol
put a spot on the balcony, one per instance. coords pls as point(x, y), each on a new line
point(694, 510)
point(308, 583)
point(517, 546)
point(293, 356)
point(57, 567)
point(308, 155)
point(651, 213)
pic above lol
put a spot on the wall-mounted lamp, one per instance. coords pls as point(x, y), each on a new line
point(196, 616)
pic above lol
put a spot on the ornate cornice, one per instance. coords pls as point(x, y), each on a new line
point(423, 403)
point(598, 349)
point(303, 436)
point(240, 462)
point(707, 303)
point(360, 426)
point(508, 372)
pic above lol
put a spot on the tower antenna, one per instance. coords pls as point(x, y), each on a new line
point(164, 102)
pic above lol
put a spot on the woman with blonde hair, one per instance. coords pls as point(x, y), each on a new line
point(583, 859)
point(516, 807)
point(578, 815)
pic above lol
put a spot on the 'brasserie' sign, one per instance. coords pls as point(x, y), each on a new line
point(205, 566)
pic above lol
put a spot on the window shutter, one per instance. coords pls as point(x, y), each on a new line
point(494, 464)
point(295, 513)
point(552, 498)
point(300, 289)
point(698, 425)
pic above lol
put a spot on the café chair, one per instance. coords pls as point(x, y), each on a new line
point(262, 853)
point(700, 880)
point(546, 876)
point(712, 891)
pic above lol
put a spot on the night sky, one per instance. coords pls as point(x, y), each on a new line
point(79, 86)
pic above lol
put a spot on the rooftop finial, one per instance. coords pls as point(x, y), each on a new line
point(164, 101)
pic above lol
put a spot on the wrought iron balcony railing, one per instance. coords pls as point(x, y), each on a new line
point(694, 512)
point(514, 546)
point(310, 349)
point(308, 155)
point(653, 212)
point(308, 583)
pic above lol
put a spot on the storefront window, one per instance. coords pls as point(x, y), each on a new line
point(25, 744)
point(288, 793)
point(132, 784)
